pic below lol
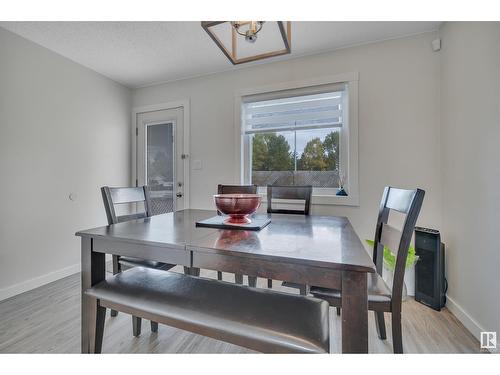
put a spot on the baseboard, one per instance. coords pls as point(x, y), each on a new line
point(36, 282)
point(469, 323)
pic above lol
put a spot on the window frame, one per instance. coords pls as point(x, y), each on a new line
point(348, 139)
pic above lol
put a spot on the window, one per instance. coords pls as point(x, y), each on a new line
point(298, 137)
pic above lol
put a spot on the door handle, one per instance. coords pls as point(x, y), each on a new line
point(178, 195)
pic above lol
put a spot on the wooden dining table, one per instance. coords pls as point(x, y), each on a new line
point(313, 250)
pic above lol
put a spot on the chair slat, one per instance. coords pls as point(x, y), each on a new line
point(290, 192)
point(390, 237)
point(140, 215)
point(127, 195)
point(237, 189)
point(303, 193)
point(400, 199)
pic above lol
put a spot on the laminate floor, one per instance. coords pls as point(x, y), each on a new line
point(47, 320)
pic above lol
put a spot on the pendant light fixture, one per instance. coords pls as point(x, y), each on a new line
point(247, 32)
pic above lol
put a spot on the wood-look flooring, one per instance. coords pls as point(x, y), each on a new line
point(47, 320)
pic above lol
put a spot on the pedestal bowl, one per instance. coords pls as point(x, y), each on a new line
point(237, 206)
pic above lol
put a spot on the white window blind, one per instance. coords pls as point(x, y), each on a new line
point(301, 112)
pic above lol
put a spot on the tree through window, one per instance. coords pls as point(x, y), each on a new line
point(296, 140)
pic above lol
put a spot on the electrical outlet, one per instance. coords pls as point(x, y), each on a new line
point(197, 165)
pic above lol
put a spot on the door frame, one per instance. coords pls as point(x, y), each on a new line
point(184, 103)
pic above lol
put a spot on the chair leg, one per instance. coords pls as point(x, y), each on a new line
point(238, 278)
point(304, 290)
point(136, 325)
point(193, 271)
point(219, 275)
point(116, 269)
point(154, 327)
point(252, 281)
point(397, 336)
point(269, 283)
point(338, 311)
point(97, 327)
point(380, 324)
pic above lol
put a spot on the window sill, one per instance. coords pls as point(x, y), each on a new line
point(337, 200)
point(321, 200)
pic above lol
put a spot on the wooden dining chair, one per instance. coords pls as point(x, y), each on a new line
point(303, 193)
point(122, 196)
point(380, 298)
point(290, 193)
point(237, 189)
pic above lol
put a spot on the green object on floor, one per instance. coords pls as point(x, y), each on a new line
point(390, 258)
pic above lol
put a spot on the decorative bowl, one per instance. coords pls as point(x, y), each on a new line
point(237, 206)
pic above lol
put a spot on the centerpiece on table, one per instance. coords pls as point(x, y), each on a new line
point(237, 207)
point(236, 211)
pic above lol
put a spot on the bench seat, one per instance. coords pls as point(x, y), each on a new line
point(259, 319)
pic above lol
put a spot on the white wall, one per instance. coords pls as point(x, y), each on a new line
point(470, 120)
point(63, 129)
point(398, 121)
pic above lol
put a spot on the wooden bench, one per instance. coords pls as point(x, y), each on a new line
point(258, 319)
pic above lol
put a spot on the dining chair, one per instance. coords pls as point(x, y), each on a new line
point(237, 189)
point(126, 196)
point(303, 193)
point(380, 297)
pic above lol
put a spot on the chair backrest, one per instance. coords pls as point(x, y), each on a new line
point(125, 195)
point(236, 189)
point(289, 192)
point(407, 202)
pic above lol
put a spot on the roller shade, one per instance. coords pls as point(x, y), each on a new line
point(315, 111)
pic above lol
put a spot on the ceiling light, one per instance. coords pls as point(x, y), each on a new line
point(249, 30)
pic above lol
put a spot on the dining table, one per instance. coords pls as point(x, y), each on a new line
point(322, 251)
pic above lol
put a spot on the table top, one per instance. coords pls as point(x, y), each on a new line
point(323, 241)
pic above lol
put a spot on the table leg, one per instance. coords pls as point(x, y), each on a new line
point(354, 312)
point(93, 271)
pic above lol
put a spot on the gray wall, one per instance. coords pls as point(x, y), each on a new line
point(470, 122)
point(63, 129)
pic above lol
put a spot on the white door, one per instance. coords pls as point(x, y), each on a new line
point(160, 159)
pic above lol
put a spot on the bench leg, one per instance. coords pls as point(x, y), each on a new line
point(154, 327)
point(269, 283)
point(219, 275)
point(252, 281)
point(338, 311)
point(136, 326)
point(238, 278)
point(97, 327)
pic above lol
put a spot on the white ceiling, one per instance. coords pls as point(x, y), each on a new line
point(142, 53)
